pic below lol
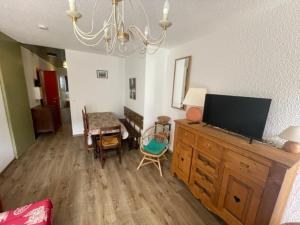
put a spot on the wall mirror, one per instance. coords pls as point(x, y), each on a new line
point(181, 81)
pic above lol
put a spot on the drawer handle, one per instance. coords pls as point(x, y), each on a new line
point(182, 159)
point(244, 165)
point(199, 187)
point(205, 162)
point(236, 199)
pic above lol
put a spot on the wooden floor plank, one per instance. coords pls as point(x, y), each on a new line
point(59, 167)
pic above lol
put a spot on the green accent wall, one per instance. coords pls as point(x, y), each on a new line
point(15, 94)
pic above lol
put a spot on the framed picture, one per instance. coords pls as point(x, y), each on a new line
point(102, 74)
point(132, 88)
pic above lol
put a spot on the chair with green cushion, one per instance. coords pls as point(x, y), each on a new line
point(153, 145)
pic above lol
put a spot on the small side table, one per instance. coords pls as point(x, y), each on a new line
point(166, 127)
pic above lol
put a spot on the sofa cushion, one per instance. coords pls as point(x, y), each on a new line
point(38, 213)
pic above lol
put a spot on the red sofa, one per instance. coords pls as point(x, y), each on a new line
point(38, 213)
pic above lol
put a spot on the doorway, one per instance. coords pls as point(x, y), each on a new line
point(6, 142)
point(52, 95)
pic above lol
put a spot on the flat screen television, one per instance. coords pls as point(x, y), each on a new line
point(242, 115)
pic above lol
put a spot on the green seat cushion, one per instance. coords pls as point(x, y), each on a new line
point(154, 147)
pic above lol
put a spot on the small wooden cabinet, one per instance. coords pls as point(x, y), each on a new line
point(44, 119)
point(242, 183)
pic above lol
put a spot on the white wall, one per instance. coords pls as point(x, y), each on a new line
point(63, 95)
point(253, 54)
point(99, 95)
point(6, 145)
point(154, 86)
point(135, 68)
point(31, 62)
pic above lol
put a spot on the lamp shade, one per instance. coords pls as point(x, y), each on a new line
point(291, 134)
point(195, 97)
point(37, 93)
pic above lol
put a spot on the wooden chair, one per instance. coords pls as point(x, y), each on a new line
point(109, 138)
point(153, 145)
point(85, 129)
point(134, 125)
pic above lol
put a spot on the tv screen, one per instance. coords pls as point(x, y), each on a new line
point(242, 115)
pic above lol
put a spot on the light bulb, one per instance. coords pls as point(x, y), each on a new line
point(72, 5)
point(166, 10)
point(146, 31)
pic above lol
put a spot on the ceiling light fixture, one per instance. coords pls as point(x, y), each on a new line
point(114, 32)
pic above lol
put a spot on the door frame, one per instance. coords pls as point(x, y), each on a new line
point(11, 133)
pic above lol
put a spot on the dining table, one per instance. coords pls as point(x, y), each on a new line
point(98, 120)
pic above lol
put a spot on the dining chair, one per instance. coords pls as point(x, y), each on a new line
point(85, 129)
point(109, 138)
point(154, 145)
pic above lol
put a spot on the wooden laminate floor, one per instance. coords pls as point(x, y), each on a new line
point(82, 193)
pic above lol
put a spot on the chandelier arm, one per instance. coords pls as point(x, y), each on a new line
point(84, 43)
point(136, 30)
point(110, 50)
point(85, 37)
point(144, 11)
point(90, 36)
point(93, 16)
point(158, 41)
point(92, 26)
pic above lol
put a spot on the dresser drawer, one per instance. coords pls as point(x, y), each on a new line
point(200, 192)
point(206, 181)
point(246, 167)
point(186, 136)
point(209, 147)
point(207, 164)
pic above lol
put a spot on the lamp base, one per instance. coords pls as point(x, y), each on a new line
point(292, 147)
point(194, 114)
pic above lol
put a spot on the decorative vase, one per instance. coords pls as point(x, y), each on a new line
point(194, 114)
point(292, 147)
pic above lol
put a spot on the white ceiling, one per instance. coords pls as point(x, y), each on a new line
point(191, 19)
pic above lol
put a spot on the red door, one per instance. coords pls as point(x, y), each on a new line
point(52, 96)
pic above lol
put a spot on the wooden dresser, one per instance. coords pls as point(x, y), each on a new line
point(44, 119)
point(242, 183)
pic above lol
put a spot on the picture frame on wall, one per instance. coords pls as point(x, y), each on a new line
point(132, 88)
point(102, 74)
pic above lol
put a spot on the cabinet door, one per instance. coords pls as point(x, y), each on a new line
point(183, 154)
point(239, 198)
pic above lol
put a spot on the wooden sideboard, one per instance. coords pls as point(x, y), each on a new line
point(240, 182)
point(44, 119)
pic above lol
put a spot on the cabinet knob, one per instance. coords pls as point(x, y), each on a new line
point(236, 199)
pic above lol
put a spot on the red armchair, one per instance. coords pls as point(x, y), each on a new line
point(38, 213)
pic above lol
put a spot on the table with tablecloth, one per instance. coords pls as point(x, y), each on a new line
point(98, 120)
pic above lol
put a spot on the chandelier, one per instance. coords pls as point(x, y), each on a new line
point(115, 35)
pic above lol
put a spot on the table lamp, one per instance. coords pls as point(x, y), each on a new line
point(292, 135)
point(194, 99)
